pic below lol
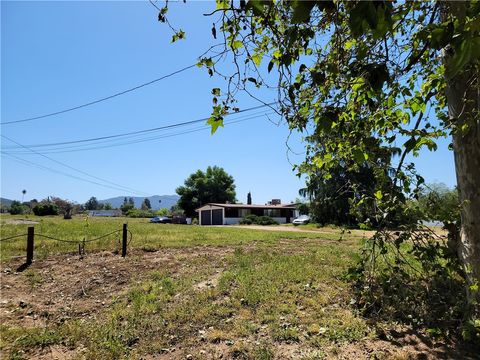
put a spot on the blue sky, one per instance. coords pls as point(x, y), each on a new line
point(57, 55)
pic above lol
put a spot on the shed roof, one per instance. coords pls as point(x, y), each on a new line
point(253, 206)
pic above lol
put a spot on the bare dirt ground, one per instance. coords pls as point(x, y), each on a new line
point(64, 287)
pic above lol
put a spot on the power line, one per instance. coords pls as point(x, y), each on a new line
point(69, 149)
point(101, 99)
point(171, 126)
point(72, 168)
point(120, 188)
point(27, 162)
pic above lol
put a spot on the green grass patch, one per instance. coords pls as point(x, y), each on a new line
point(145, 235)
point(276, 287)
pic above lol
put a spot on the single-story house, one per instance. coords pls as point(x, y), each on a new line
point(107, 213)
point(229, 214)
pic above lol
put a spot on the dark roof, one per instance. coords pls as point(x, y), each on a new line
point(246, 206)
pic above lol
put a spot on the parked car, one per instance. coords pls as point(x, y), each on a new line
point(301, 220)
point(161, 220)
point(176, 219)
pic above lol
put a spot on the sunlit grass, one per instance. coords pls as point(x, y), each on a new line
point(144, 235)
point(274, 287)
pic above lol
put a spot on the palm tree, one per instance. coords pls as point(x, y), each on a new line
point(23, 194)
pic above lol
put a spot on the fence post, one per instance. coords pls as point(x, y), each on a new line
point(30, 244)
point(124, 241)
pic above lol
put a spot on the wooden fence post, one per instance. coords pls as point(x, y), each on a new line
point(124, 241)
point(30, 244)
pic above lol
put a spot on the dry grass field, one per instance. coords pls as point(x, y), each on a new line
point(190, 292)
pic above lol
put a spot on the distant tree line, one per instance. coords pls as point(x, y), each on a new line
point(328, 201)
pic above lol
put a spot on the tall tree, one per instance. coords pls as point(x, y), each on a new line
point(92, 204)
point(64, 206)
point(213, 185)
point(249, 198)
point(146, 204)
point(362, 76)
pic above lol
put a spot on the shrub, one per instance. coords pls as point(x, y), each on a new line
point(266, 220)
point(258, 220)
point(162, 212)
point(16, 208)
point(137, 213)
point(44, 209)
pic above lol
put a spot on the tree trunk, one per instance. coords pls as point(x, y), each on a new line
point(463, 99)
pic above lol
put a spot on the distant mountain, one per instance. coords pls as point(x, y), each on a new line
point(157, 201)
point(6, 202)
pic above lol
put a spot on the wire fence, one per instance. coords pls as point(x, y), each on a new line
point(78, 241)
point(13, 237)
point(125, 240)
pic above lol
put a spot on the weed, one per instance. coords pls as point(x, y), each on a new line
point(33, 278)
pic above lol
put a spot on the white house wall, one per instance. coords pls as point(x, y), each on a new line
point(235, 221)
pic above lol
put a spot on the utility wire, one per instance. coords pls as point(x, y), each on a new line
point(27, 162)
point(170, 126)
point(101, 99)
point(58, 172)
point(72, 168)
point(69, 149)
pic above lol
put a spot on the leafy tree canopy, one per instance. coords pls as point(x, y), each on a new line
point(93, 204)
point(46, 208)
point(16, 208)
point(146, 204)
point(361, 79)
point(214, 185)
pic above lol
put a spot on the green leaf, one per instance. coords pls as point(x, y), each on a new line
point(358, 15)
point(377, 75)
point(179, 35)
point(256, 6)
point(223, 4)
point(215, 122)
point(216, 91)
point(318, 77)
point(410, 144)
point(463, 53)
point(208, 62)
point(301, 11)
point(379, 195)
point(270, 66)
point(349, 44)
point(441, 36)
point(237, 44)
point(359, 156)
point(257, 59)
point(277, 54)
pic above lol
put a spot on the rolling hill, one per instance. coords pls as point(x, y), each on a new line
point(157, 201)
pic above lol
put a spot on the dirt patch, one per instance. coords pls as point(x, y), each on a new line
point(210, 282)
point(21, 222)
point(406, 345)
point(64, 287)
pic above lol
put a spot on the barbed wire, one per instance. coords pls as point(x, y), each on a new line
point(78, 241)
point(12, 237)
point(65, 240)
point(131, 236)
